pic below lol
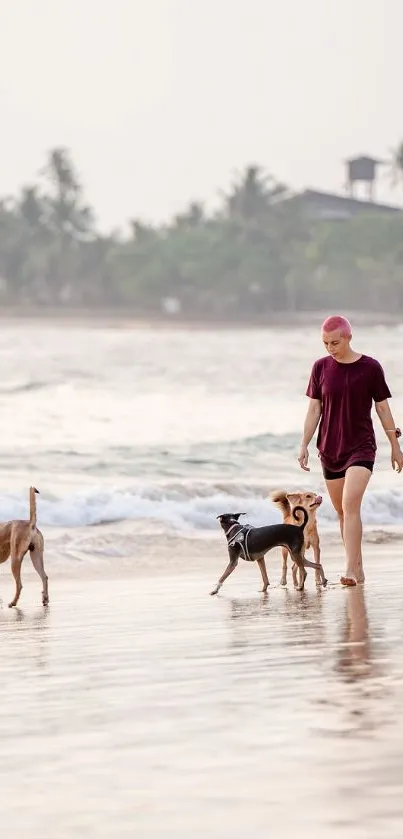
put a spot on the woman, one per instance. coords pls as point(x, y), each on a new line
point(341, 390)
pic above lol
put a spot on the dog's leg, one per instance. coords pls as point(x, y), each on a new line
point(263, 570)
point(316, 555)
point(229, 569)
point(299, 562)
point(283, 581)
point(294, 570)
point(302, 577)
point(16, 563)
point(37, 562)
point(309, 564)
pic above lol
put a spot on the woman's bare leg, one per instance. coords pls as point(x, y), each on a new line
point(356, 482)
point(335, 490)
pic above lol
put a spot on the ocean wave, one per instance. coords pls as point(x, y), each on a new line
point(260, 457)
point(26, 387)
point(225, 456)
point(189, 508)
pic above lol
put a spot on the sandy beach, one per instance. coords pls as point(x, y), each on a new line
point(138, 705)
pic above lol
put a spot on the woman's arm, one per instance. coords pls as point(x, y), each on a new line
point(310, 425)
point(388, 425)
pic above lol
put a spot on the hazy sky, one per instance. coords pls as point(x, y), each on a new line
point(161, 100)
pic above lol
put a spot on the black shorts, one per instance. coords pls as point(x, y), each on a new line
point(333, 476)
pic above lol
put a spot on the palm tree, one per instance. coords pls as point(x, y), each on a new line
point(31, 208)
point(252, 194)
point(142, 232)
point(68, 223)
point(192, 217)
point(67, 213)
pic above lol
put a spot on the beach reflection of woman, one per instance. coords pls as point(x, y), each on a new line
point(354, 658)
point(341, 390)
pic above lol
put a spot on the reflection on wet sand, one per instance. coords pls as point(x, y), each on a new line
point(295, 616)
point(24, 637)
point(294, 602)
point(146, 707)
point(354, 652)
point(360, 663)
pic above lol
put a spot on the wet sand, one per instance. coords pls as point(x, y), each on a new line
point(138, 705)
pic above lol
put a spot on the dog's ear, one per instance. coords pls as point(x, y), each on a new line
point(294, 497)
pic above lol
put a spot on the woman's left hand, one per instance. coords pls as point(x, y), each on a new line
point(397, 458)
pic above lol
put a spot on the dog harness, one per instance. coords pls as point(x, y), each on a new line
point(240, 538)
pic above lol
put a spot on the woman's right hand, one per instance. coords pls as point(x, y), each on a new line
point(397, 457)
point(303, 458)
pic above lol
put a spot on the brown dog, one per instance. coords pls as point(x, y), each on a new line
point(287, 501)
point(18, 537)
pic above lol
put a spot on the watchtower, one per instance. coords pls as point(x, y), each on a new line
point(363, 170)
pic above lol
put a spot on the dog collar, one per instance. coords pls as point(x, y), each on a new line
point(236, 524)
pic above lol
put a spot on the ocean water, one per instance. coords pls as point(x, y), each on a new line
point(164, 429)
point(136, 705)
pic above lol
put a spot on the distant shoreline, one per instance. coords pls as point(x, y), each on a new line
point(110, 317)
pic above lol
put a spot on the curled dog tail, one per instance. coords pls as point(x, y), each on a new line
point(32, 506)
point(297, 519)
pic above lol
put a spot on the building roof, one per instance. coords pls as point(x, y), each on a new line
point(364, 158)
point(331, 205)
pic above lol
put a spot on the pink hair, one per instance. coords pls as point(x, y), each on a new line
point(337, 322)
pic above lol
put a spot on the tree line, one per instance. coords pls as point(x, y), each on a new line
point(259, 253)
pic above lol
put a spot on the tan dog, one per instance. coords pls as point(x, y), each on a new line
point(287, 501)
point(18, 537)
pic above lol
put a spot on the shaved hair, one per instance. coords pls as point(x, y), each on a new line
point(337, 322)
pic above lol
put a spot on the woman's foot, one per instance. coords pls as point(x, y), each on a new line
point(348, 581)
point(353, 579)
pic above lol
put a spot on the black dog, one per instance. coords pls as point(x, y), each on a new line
point(252, 543)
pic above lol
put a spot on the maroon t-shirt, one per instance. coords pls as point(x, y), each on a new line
point(346, 391)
